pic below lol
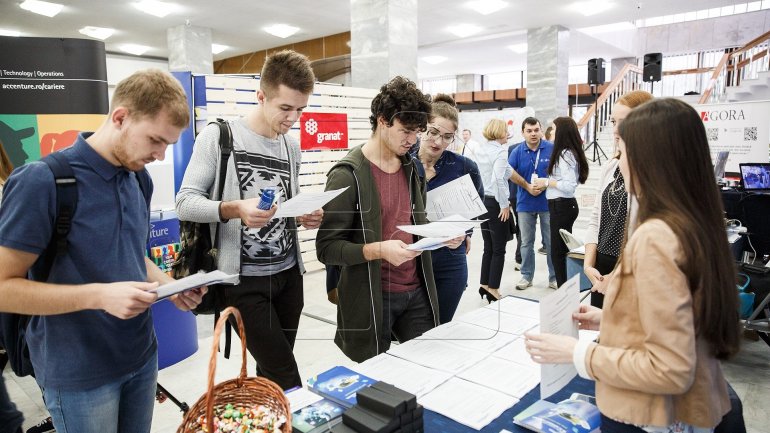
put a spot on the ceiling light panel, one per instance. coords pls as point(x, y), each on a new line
point(154, 7)
point(100, 33)
point(217, 48)
point(434, 60)
point(518, 48)
point(486, 7)
point(134, 49)
point(41, 7)
point(7, 32)
point(281, 30)
point(465, 30)
point(591, 7)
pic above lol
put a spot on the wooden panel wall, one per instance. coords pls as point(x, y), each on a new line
point(314, 49)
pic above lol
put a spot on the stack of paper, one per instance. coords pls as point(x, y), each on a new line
point(403, 374)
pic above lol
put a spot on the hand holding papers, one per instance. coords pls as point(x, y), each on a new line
point(305, 203)
point(458, 197)
point(446, 228)
point(192, 282)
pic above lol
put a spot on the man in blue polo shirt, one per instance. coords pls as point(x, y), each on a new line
point(529, 161)
point(91, 338)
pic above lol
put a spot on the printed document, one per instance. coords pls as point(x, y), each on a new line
point(412, 378)
point(517, 352)
point(451, 226)
point(305, 203)
point(514, 379)
point(517, 307)
point(493, 319)
point(469, 336)
point(193, 281)
point(437, 354)
point(468, 403)
point(458, 197)
point(556, 318)
point(427, 244)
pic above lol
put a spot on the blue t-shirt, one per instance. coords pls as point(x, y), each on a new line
point(106, 244)
point(527, 161)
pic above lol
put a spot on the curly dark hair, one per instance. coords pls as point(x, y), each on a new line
point(401, 99)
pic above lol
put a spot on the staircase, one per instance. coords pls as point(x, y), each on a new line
point(752, 89)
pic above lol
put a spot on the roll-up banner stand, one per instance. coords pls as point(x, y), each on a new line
point(50, 89)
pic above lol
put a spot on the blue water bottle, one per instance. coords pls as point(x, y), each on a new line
point(266, 201)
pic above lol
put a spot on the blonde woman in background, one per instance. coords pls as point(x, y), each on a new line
point(492, 159)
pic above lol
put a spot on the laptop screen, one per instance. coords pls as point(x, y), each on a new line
point(755, 176)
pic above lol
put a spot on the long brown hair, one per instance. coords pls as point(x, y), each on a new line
point(669, 162)
point(6, 167)
point(568, 138)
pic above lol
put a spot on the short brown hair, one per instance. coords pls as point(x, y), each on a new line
point(147, 93)
point(289, 68)
point(444, 106)
point(495, 130)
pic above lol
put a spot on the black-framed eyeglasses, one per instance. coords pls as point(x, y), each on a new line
point(433, 134)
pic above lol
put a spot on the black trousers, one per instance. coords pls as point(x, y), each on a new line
point(10, 418)
point(517, 232)
point(564, 212)
point(271, 307)
point(496, 235)
point(604, 264)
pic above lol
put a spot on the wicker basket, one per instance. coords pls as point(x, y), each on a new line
point(241, 391)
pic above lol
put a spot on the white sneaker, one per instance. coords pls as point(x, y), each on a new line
point(553, 285)
point(523, 284)
point(517, 266)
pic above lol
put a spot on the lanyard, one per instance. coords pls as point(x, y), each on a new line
point(536, 162)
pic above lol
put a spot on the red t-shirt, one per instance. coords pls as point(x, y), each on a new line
point(395, 210)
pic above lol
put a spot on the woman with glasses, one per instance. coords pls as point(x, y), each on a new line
point(450, 265)
point(608, 220)
point(568, 168)
point(492, 159)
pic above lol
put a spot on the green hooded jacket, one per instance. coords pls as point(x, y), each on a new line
point(350, 221)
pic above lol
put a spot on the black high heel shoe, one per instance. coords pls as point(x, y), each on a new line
point(487, 294)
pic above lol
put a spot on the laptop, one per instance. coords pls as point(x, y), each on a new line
point(755, 176)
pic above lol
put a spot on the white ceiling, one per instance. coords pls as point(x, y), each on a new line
point(238, 24)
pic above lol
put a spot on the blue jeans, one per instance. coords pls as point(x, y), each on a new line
point(122, 406)
point(450, 271)
point(527, 222)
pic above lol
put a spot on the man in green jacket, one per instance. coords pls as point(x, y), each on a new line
point(384, 288)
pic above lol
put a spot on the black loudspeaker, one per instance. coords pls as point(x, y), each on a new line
point(596, 71)
point(653, 67)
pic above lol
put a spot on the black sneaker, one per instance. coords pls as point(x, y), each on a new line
point(44, 426)
point(542, 251)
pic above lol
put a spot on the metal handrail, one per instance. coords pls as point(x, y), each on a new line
point(733, 63)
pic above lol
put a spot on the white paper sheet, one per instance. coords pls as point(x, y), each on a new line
point(517, 352)
point(469, 336)
point(517, 307)
point(412, 378)
point(305, 203)
point(556, 318)
point(193, 281)
point(427, 244)
point(451, 226)
point(493, 319)
point(301, 397)
point(437, 354)
point(509, 377)
point(467, 403)
point(458, 197)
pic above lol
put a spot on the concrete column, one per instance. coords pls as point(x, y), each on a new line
point(190, 49)
point(383, 41)
point(468, 82)
point(548, 72)
point(618, 64)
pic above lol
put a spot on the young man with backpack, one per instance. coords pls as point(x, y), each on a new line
point(91, 339)
point(265, 251)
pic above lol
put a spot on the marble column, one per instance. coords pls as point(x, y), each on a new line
point(383, 41)
point(548, 72)
point(468, 82)
point(618, 64)
point(190, 49)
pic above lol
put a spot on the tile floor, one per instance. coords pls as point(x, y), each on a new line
point(749, 372)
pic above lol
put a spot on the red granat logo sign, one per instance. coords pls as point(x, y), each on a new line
point(722, 115)
point(323, 131)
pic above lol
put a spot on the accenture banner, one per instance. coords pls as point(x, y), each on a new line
point(743, 128)
point(323, 131)
point(50, 88)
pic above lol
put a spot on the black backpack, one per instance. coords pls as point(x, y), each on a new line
point(13, 327)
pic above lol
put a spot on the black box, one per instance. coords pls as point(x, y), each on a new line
point(410, 399)
point(381, 402)
point(364, 421)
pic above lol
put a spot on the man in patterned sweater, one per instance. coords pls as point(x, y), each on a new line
point(262, 249)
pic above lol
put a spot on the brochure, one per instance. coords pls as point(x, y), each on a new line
point(339, 384)
point(312, 413)
point(577, 414)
